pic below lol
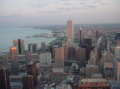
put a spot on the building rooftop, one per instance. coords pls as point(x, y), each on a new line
point(93, 80)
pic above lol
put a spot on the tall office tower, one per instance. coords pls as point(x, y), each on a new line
point(80, 36)
point(51, 49)
point(117, 49)
point(70, 30)
point(117, 36)
point(87, 42)
point(28, 82)
point(71, 53)
point(88, 45)
point(97, 34)
point(59, 56)
point(80, 54)
point(4, 78)
point(43, 46)
point(19, 44)
point(117, 69)
point(32, 70)
point(32, 48)
point(13, 52)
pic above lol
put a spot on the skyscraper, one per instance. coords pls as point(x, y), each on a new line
point(32, 48)
point(4, 78)
point(59, 56)
point(19, 44)
point(13, 52)
point(80, 36)
point(32, 70)
point(70, 30)
point(117, 69)
point(117, 49)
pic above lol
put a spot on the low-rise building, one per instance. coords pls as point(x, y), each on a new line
point(94, 84)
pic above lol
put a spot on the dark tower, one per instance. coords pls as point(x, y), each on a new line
point(28, 82)
point(4, 78)
point(19, 44)
point(32, 70)
point(80, 32)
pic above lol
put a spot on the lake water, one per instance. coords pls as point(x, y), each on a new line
point(7, 35)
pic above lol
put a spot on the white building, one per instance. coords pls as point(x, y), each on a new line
point(45, 58)
point(117, 52)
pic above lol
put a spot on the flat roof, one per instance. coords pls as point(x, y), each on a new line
point(93, 80)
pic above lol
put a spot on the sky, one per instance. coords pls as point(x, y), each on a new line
point(42, 12)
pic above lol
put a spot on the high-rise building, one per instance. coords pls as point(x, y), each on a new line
point(80, 36)
point(70, 30)
point(4, 78)
point(117, 69)
point(80, 54)
point(32, 48)
point(19, 44)
point(117, 49)
point(71, 53)
point(32, 70)
point(28, 82)
point(117, 36)
point(87, 43)
point(59, 56)
point(45, 58)
point(13, 52)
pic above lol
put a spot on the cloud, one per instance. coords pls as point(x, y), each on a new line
point(32, 7)
point(71, 5)
point(54, 9)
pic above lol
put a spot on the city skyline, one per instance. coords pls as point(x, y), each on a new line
point(29, 12)
point(81, 59)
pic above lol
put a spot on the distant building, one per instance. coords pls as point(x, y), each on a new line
point(117, 50)
point(117, 36)
point(4, 78)
point(80, 36)
point(70, 30)
point(19, 44)
point(43, 46)
point(32, 56)
point(45, 58)
point(13, 52)
point(87, 43)
point(32, 48)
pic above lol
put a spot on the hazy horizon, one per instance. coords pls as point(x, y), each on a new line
point(36, 12)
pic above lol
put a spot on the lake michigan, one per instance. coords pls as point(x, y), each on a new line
point(7, 35)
